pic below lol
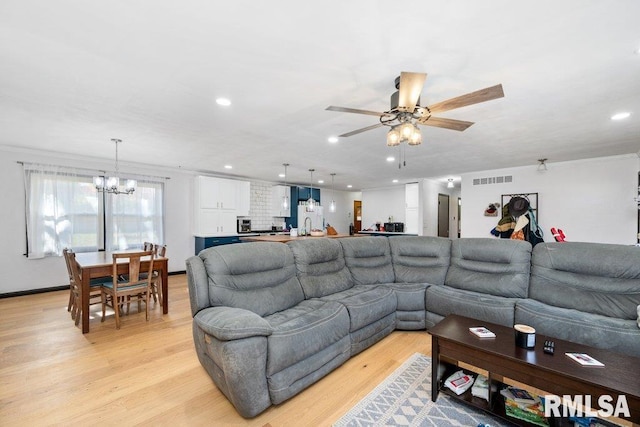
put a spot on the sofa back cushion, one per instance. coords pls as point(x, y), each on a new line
point(320, 266)
point(257, 276)
point(420, 259)
point(368, 259)
point(594, 277)
point(492, 266)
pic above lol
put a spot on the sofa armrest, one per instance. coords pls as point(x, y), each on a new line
point(198, 283)
point(228, 323)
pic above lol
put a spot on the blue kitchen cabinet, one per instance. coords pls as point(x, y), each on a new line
point(208, 242)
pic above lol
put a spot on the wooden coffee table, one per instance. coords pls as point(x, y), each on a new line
point(555, 374)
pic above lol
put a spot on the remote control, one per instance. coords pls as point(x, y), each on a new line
point(549, 347)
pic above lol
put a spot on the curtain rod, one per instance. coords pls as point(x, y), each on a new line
point(89, 170)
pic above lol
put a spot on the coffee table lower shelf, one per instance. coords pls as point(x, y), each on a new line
point(495, 405)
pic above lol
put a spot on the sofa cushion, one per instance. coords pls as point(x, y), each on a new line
point(365, 304)
point(420, 259)
point(368, 259)
point(444, 301)
point(577, 326)
point(491, 266)
point(592, 277)
point(320, 266)
point(257, 276)
point(302, 331)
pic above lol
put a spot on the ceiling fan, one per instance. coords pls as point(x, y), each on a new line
point(405, 113)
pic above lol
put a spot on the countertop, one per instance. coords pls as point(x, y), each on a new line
point(283, 238)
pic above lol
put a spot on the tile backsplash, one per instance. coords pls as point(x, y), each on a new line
point(260, 208)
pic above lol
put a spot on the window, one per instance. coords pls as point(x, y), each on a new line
point(63, 209)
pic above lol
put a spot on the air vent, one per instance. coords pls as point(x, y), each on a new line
point(493, 180)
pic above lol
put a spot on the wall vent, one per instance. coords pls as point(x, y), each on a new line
point(493, 180)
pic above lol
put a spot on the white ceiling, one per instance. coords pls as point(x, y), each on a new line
point(74, 74)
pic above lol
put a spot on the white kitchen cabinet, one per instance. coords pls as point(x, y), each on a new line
point(278, 192)
point(244, 198)
point(218, 204)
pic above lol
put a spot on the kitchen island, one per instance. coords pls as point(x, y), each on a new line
point(283, 238)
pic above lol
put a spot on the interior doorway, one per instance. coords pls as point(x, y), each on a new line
point(443, 215)
point(357, 215)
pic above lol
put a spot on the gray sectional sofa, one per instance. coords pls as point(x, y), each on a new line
point(270, 319)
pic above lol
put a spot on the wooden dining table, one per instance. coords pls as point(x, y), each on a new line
point(100, 264)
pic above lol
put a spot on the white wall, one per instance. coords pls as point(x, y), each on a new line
point(343, 216)
point(378, 204)
point(20, 273)
point(590, 200)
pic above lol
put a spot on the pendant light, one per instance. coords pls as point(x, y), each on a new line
point(332, 206)
point(285, 198)
point(311, 204)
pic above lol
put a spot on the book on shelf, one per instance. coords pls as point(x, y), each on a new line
point(584, 359)
point(459, 382)
point(515, 411)
point(530, 410)
point(482, 332)
point(519, 395)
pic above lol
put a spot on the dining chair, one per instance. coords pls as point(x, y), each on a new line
point(159, 251)
point(134, 284)
point(75, 285)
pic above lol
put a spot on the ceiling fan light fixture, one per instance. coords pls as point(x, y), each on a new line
point(393, 137)
point(407, 129)
point(416, 137)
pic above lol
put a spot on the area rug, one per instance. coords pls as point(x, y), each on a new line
point(404, 399)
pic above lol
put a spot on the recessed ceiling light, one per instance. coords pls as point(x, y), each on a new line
point(349, 186)
point(223, 101)
point(390, 159)
point(620, 116)
point(333, 139)
point(281, 175)
point(228, 167)
point(394, 181)
point(321, 181)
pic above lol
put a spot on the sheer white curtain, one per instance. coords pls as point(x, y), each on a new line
point(134, 219)
point(61, 210)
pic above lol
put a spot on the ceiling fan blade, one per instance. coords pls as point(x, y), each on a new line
point(440, 122)
point(354, 110)
point(476, 97)
point(354, 132)
point(411, 85)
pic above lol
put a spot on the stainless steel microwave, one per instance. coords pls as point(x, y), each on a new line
point(244, 226)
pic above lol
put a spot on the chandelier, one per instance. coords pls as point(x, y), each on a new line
point(285, 198)
point(112, 183)
point(311, 203)
point(404, 128)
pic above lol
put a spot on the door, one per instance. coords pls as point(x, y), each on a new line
point(443, 215)
point(357, 215)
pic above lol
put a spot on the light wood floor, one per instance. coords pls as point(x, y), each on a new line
point(147, 373)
